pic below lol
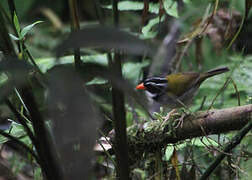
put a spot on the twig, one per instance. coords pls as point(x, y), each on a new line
point(220, 91)
point(12, 8)
point(108, 141)
point(202, 103)
point(106, 152)
point(236, 91)
point(182, 54)
point(32, 60)
point(237, 33)
point(21, 99)
point(203, 25)
point(232, 144)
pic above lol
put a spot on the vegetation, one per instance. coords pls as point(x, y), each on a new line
point(68, 104)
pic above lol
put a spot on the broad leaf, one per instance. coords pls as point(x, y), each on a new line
point(14, 37)
point(171, 8)
point(16, 23)
point(105, 38)
point(26, 29)
point(148, 29)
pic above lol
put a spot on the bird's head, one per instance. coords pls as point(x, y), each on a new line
point(154, 85)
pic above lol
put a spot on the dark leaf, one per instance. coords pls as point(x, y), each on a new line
point(88, 71)
point(74, 121)
point(95, 70)
point(105, 38)
point(13, 64)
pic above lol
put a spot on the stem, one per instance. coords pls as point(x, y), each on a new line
point(75, 26)
point(231, 145)
point(32, 60)
point(12, 8)
point(121, 146)
point(237, 33)
point(44, 147)
point(100, 15)
point(115, 13)
point(21, 45)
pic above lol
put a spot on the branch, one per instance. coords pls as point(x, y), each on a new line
point(213, 122)
point(150, 135)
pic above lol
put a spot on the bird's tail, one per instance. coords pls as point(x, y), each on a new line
point(216, 71)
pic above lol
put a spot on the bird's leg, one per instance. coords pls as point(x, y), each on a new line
point(181, 119)
point(169, 114)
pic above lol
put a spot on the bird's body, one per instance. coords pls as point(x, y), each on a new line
point(177, 89)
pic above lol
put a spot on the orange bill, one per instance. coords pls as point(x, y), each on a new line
point(141, 86)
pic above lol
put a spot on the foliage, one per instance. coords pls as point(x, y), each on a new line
point(57, 85)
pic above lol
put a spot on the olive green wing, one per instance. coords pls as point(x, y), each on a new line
point(179, 83)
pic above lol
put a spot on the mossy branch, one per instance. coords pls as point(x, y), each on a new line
point(148, 136)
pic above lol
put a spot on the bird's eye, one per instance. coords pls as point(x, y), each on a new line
point(150, 85)
point(155, 87)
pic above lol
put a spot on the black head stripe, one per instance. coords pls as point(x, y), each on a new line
point(156, 80)
point(155, 88)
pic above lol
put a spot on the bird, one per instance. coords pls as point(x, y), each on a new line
point(178, 89)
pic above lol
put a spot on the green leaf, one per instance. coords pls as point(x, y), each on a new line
point(204, 142)
point(47, 63)
point(14, 37)
point(128, 5)
point(154, 8)
point(148, 29)
point(16, 23)
point(97, 81)
point(135, 6)
point(171, 8)
point(17, 130)
point(38, 174)
point(3, 139)
point(168, 153)
point(3, 78)
point(26, 29)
